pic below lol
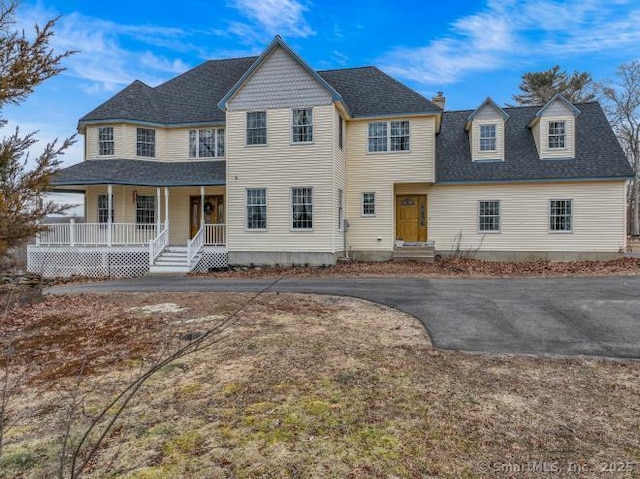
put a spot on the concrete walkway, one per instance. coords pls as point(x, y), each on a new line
point(592, 316)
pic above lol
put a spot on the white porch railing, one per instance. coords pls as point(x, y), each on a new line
point(157, 244)
point(215, 234)
point(94, 234)
point(195, 244)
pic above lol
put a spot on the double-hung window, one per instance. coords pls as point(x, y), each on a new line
point(302, 125)
point(146, 142)
point(340, 209)
point(561, 216)
point(206, 143)
point(489, 216)
point(103, 209)
point(301, 208)
point(368, 204)
point(256, 208)
point(105, 141)
point(256, 128)
point(556, 134)
point(340, 132)
point(487, 137)
point(145, 210)
point(389, 136)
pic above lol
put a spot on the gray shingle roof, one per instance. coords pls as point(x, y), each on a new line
point(193, 96)
point(368, 91)
point(189, 98)
point(598, 154)
point(142, 173)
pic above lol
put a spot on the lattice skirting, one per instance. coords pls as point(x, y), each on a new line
point(213, 257)
point(63, 262)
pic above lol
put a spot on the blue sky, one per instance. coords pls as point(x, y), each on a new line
point(467, 49)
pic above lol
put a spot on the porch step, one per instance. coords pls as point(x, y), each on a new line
point(173, 259)
point(425, 254)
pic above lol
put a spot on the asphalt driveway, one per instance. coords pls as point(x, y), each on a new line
point(591, 316)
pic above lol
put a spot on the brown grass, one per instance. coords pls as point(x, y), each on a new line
point(308, 386)
point(443, 268)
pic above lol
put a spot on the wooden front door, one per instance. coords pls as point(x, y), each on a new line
point(411, 218)
point(213, 212)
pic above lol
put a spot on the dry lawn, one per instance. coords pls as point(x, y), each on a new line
point(444, 268)
point(303, 386)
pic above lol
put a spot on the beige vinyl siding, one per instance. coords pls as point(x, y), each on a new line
point(535, 131)
point(487, 115)
point(598, 216)
point(279, 82)
point(378, 172)
point(278, 166)
point(125, 207)
point(91, 139)
point(172, 144)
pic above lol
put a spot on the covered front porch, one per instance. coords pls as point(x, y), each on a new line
point(133, 226)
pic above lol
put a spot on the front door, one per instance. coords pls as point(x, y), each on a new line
point(213, 211)
point(411, 218)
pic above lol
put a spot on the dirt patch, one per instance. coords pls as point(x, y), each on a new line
point(443, 268)
point(303, 386)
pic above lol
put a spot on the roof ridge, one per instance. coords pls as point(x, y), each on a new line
point(345, 69)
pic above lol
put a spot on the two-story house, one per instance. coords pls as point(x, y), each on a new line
point(262, 160)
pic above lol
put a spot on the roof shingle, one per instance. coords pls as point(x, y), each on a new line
point(597, 155)
point(142, 173)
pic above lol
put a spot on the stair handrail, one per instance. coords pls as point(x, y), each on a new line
point(157, 244)
point(194, 245)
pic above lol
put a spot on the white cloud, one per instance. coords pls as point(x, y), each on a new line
point(269, 18)
point(102, 60)
point(514, 32)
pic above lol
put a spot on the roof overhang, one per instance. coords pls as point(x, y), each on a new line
point(140, 173)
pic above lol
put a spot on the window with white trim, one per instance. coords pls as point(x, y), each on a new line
point(302, 125)
point(340, 132)
point(489, 216)
point(301, 208)
point(388, 136)
point(556, 134)
point(256, 208)
point(256, 128)
point(368, 204)
point(487, 137)
point(105, 141)
point(206, 143)
point(561, 215)
point(103, 209)
point(145, 209)
point(146, 142)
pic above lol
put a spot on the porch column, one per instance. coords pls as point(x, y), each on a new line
point(166, 207)
point(201, 206)
point(158, 201)
point(109, 210)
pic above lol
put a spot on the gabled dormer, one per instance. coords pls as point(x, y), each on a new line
point(486, 132)
point(553, 129)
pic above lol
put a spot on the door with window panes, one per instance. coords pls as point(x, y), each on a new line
point(213, 212)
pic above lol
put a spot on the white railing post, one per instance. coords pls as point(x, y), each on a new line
point(151, 258)
point(72, 232)
point(110, 208)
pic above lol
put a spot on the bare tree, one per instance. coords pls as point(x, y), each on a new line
point(24, 64)
point(622, 105)
point(537, 88)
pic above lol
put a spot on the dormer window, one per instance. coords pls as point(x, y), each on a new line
point(556, 134)
point(487, 137)
point(486, 127)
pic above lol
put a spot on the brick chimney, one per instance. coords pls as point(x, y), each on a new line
point(439, 100)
